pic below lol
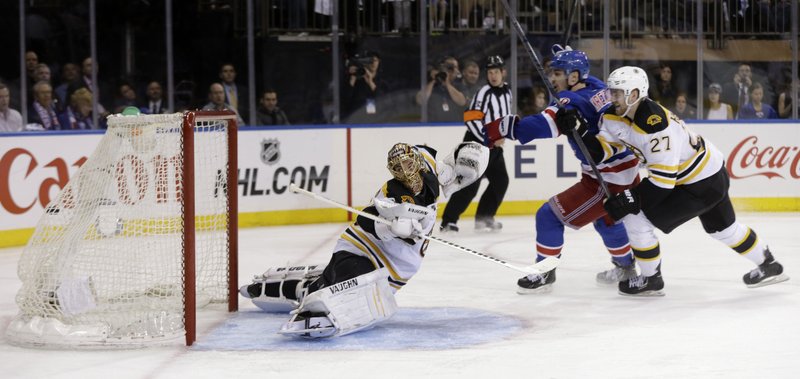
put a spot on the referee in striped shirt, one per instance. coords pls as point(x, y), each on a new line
point(491, 102)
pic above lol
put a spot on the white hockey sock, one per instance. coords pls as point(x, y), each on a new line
point(648, 258)
point(742, 240)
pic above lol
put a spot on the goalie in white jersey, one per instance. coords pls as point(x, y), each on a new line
point(371, 260)
point(687, 179)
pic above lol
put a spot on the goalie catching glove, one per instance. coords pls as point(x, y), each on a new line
point(462, 167)
point(498, 129)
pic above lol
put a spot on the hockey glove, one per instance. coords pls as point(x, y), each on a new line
point(569, 119)
point(462, 167)
point(623, 204)
point(498, 129)
point(406, 227)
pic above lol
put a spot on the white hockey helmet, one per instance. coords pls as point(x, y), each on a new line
point(629, 78)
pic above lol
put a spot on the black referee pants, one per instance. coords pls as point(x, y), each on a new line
point(490, 200)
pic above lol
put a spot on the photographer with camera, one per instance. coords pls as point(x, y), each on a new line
point(360, 91)
point(444, 93)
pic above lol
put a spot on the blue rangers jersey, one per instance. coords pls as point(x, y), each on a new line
point(591, 101)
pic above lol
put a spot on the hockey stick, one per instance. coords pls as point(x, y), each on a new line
point(537, 268)
point(540, 69)
point(568, 29)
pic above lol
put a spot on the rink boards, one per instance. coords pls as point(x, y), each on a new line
point(348, 165)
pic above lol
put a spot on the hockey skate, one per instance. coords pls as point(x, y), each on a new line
point(641, 285)
point(488, 225)
point(448, 228)
point(536, 283)
point(309, 325)
point(769, 272)
point(617, 274)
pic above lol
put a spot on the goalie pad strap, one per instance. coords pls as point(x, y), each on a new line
point(274, 274)
point(278, 278)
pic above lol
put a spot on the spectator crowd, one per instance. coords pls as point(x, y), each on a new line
point(65, 102)
point(60, 95)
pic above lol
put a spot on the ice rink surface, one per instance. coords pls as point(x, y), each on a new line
point(461, 318)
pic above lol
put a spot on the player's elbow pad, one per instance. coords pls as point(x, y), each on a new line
point(594, 147)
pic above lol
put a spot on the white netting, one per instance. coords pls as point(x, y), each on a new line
point(105, 264)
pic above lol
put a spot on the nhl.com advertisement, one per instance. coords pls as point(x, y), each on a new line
point(270, 161)
point(349, 166)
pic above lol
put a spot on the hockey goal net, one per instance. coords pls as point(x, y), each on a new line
point(142, 235)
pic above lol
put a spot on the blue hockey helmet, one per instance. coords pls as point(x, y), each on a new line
point(564, 58)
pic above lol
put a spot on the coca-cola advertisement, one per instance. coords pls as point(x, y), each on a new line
point(33, 170)
point(763, 160)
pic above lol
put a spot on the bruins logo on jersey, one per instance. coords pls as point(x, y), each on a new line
point(407, 199)
point(638, 153)
point(653, 120)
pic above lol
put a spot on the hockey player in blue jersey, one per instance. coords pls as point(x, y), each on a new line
point(581, 204)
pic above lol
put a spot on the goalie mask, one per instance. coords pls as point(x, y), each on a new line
point(406, 165)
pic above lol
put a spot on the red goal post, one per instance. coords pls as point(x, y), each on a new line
point(143, 234)
point(190, 122)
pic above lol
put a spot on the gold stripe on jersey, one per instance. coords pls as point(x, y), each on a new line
point(747, 243)
point(637, 129)
point(625, 121)
point(691, 168)
point(356, 241)
point(663, 174)
point(385, 189)
point(381, 256)
point(665, 181)
point(610, 149)
point(614, 117)
point(378, 300)
point(665, 168)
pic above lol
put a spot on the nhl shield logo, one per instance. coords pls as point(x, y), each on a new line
point(270, 152)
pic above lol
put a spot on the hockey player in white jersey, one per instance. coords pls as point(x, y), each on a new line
point(371, 260)
point(687, 179)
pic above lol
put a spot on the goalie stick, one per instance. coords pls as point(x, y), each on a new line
point(540, 267)
point(540, 69)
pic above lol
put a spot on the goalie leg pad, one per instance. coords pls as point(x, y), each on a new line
point(280, 289)
point(349, 306)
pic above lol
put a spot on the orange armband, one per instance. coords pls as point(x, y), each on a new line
point(473, 115)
